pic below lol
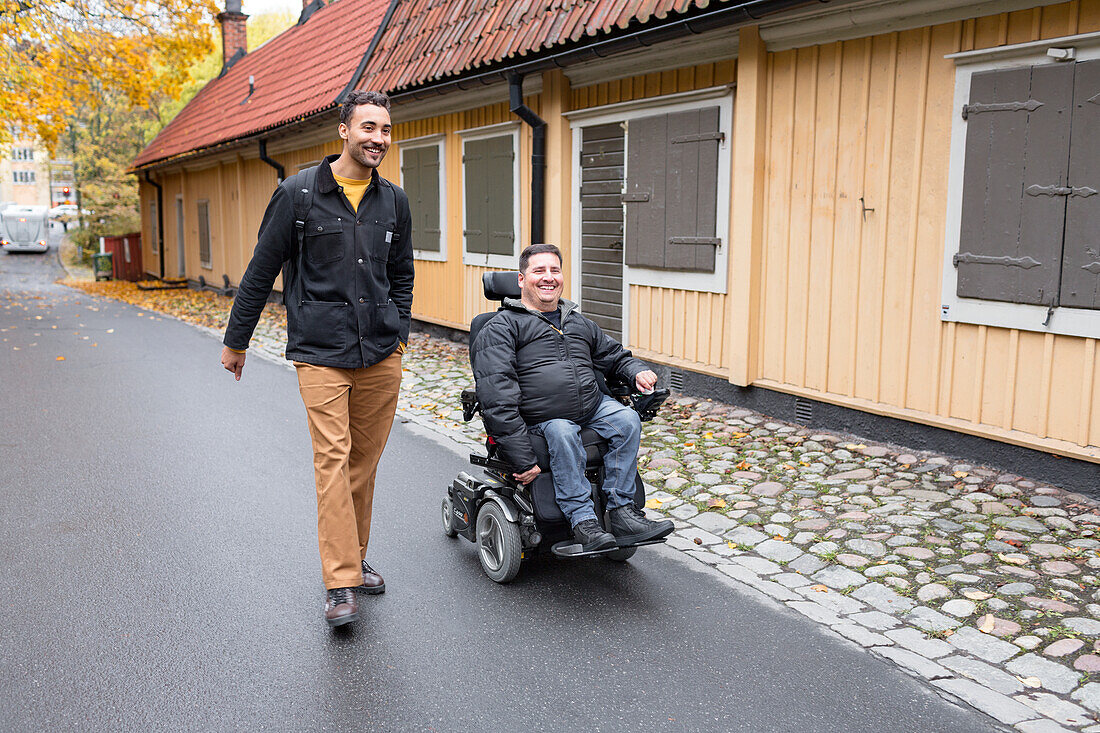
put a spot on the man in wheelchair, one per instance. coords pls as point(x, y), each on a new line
point(538, 365)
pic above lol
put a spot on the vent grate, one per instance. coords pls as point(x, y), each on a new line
point(676, 379)
point(803, 410)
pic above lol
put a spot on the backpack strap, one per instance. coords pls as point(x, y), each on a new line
point(302, 185)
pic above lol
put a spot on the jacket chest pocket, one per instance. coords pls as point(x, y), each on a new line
point(383, 236)
point(323, 240)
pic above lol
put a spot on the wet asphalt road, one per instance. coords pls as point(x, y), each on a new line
point(158, 540)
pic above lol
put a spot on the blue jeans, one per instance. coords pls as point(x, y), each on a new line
point(621, 427)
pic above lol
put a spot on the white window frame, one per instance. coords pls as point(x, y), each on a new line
point(504, 262)
point(438, 142)
point(1063, 320)
point(705, 282)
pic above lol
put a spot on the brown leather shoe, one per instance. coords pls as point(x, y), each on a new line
point(372, 581)
point(340, 606)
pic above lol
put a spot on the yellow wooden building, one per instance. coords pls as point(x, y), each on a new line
point(833, 205)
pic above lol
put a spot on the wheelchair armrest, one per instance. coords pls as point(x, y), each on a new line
point(470, 405)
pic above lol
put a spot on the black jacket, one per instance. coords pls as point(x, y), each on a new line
point(349, 295)
point(526, 371)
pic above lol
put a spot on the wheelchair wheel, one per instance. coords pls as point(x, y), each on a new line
point(498, 544)
point(448, 518)
point(621, 555)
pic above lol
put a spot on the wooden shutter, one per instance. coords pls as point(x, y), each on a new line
point(429, 237)
point(672, 191)
point(1017, 155)
point(420, 179)
point(1081, 255)
point(500, 196)
point(646, 165)
point(474, 161)
point(204, 233)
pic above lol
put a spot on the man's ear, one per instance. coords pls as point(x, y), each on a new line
point(343, 131)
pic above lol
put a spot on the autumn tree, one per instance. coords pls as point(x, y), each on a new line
point(59, 57)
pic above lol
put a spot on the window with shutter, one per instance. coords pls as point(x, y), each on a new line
point(671, 190)
point(490, 209)
point(420, 177)
point(1026, 253)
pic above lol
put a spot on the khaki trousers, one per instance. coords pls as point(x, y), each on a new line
point(350, 412)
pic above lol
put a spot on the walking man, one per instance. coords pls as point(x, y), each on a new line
point(344, 235)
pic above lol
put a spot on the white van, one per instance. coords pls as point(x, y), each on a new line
point(24, 229)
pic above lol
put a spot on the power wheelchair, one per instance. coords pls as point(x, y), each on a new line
point(510, 522)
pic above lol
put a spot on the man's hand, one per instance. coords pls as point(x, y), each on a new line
point(233, 361)
point(529, 475)
point(645, 381)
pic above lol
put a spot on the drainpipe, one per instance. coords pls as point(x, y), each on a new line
point(538, 155)
point(279, 171)
point(160, 220)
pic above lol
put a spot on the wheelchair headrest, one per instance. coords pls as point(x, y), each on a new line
point(500, 285)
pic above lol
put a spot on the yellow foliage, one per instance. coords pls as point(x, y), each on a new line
point(59, 56)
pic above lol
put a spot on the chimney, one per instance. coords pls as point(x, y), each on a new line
point(309, 7)
point(234, 34)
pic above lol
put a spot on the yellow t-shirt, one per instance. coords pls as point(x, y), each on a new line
point(353, 189)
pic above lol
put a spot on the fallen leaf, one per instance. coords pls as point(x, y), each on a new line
point(61, 358)
point(819, 588)
point(716, 503)
point(689, 444)
point(698, 541)
point(742, 465)
point(110, 330)
point(1012, 560)
point(977, 595)
point(988, 623)
point(961, 474)
point(1031, 681)
point(731, 545)
point(708, 435)
point(653, 504)
point(739, 435)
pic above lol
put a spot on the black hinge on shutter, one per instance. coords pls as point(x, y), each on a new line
point(972, 109)
point(635, 198)
point(969, 258)
point(699, 137)
point(1082, 191)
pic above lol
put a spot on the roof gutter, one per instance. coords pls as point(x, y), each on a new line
point(358, 75)
point(538, 155)
point(279, 170)
point(722, 17)
point(160, 220)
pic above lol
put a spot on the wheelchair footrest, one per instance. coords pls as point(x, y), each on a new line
point(568, 548)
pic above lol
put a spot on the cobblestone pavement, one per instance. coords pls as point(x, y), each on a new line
point(982, 583)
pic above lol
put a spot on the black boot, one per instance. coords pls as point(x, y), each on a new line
point(590, 536)
point(630, 526)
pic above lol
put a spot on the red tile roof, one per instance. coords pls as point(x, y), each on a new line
point(299, 72)
point(427, 40)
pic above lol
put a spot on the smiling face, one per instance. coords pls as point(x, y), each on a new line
point(542, 282)
point(366, 138)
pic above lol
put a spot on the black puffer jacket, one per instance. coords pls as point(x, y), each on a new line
point(527, 371)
